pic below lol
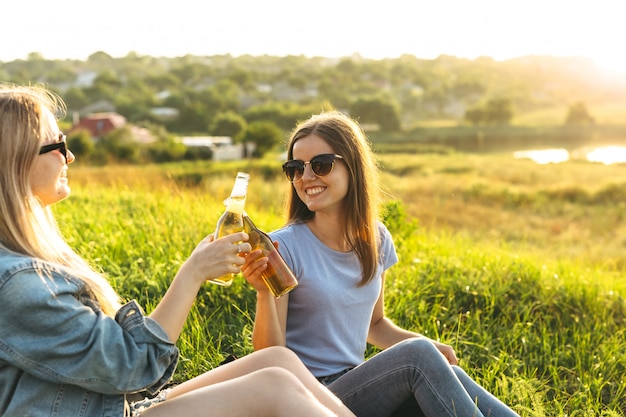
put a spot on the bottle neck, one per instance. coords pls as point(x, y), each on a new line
point(240, 188)
point(235, 204)
point(247, 221)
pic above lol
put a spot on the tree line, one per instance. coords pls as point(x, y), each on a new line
point(259, 98)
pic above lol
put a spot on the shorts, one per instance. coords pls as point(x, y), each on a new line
point(138, 407)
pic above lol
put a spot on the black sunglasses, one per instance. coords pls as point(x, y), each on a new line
point(321, 165)
point(61, 145)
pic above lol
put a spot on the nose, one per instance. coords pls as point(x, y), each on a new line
point(70, 157)
point(308, 171)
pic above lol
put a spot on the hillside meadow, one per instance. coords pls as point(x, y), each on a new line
point(519, 266)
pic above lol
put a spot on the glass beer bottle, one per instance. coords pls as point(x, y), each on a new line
point(231, 221)
point(277, 276)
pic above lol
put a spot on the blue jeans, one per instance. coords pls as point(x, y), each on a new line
point(414, 374)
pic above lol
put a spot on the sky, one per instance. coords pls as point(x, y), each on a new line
point(500, 29)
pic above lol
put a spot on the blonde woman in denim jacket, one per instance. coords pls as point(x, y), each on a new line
point(67, 345)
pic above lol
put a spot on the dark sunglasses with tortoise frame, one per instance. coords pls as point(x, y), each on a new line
point(321, 165)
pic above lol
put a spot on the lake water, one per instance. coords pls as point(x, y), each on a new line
point(603, 154)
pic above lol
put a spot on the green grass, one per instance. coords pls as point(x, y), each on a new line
point(520, 267)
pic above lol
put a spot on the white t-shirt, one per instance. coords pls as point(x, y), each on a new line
point(329, 314)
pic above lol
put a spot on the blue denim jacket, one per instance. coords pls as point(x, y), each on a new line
point(61, 356)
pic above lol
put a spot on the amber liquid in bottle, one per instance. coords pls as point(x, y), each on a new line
point(231, 221)
point(277, 276)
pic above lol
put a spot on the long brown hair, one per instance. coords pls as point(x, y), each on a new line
point(27, 226)
point(362, 201)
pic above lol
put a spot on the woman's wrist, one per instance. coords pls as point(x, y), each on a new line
point(264, 294)
point(191, 275)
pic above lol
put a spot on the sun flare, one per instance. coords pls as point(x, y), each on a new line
point(613, 63)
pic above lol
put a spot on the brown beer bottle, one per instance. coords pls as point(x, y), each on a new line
point(231, 221)
point(277, 276)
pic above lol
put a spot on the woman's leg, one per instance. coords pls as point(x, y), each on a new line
point(269, 357)
point(408, 409)
point(269, 392)
point(488, 404)
point(415, 368)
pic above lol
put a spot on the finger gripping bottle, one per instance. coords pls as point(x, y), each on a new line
point(231, 221)
point(277, 276)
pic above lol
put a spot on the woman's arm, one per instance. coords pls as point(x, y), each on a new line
point(210, 259)
point(270, 321)
point(49, 333)
point(384, 332)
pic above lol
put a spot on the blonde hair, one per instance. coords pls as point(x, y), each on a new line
point(363, 198)
point(26, 225)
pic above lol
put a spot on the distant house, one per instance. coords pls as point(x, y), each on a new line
point(222, 147)
point(208, 141)
point(100, 124)
point(165, 113)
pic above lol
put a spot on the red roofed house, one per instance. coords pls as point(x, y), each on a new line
point(99, 124)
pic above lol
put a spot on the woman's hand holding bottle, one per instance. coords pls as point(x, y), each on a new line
point(213, 258)
point(231, 221)
point(253, 267)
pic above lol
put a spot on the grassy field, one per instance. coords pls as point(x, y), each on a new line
point(519, 266)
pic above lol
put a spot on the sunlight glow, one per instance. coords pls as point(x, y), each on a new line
point(446, 27)
point(614, 64)
point(544, 156)
point(608, 155)
point(605, 154)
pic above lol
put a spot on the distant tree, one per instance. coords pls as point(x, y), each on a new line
point(136, 100)
point(298, 81)
point(109, 79)
point(283, 115)
point(166, 151)
point(159, 132)
point(75, 98)
point(389, 120)
point(496, 111)
point(225, 95)
point(578, 115)
point(475, 115)
point(379, 110)
point(190, 72)
point(165, 81)
point(196, 110)
point(329, 89)
point(241, 77)
point(100, 58)
point(194, 153)
point(467, 87)
point(436, 95)
point(266, 136)
point(230, 124)
point(499, 111)
point(35, 56)
point(120, 145)
point(60, 75)
point(81, 144)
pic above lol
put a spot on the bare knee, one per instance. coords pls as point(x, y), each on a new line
point(282, 352)
point(278, 355)
point(279, 382)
